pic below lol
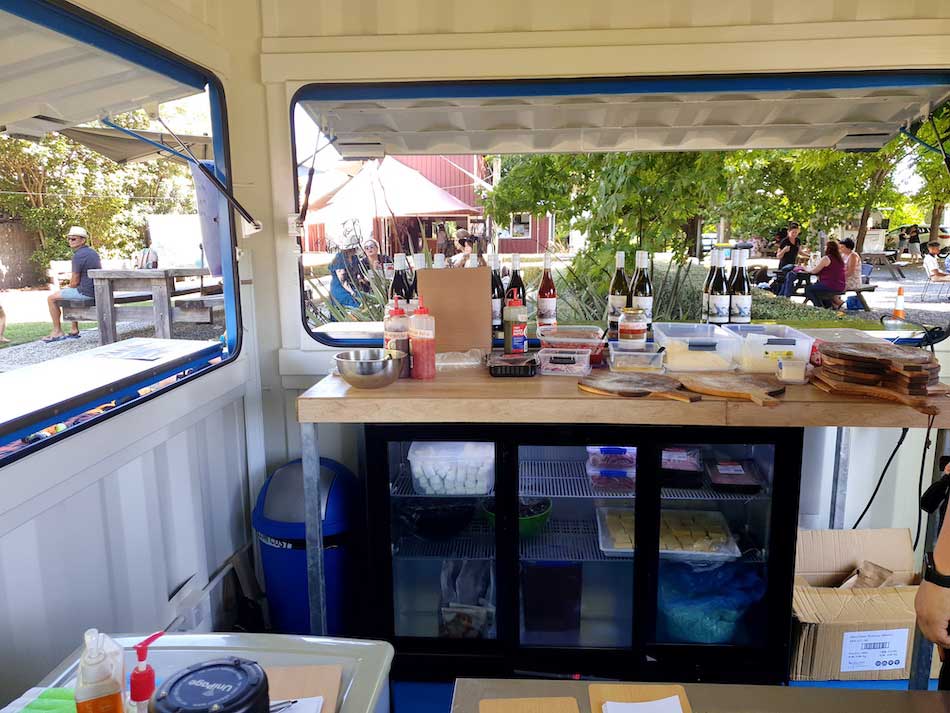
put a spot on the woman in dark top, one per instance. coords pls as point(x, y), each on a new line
point(831, 277)
point(789, 248)
point(344, 277)
point(913, 243)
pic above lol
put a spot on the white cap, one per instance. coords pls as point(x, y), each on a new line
point(643, 258)
point(472, 260)
point(400, 261)
point(547, 261)
point(78, 231)
point(419, 260)
point(516, 261)
point(619, 258)
point(438, 261)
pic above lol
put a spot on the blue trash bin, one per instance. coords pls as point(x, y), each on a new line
point(278, 519)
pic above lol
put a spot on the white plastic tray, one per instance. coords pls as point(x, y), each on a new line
point(723, 553)
point(604, 540)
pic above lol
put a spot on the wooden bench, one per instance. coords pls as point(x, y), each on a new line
point(857, 292)
point(198, 310)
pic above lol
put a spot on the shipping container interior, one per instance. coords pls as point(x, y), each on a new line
point(141, 520)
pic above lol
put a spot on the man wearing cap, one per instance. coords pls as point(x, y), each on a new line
point(80, 284)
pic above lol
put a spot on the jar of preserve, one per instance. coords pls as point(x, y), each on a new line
point(632, 329)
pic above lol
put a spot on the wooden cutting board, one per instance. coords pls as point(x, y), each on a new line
point(528, 705)
point(918, 403)
point(656, 386)
point(601, 693)
point(885, 353)
point(289, 682)
point(757, 388)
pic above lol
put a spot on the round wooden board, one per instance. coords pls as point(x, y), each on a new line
point(630, 384)
point(883, 352)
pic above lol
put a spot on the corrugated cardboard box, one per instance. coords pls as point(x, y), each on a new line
point(460, 301)
point(853, 634)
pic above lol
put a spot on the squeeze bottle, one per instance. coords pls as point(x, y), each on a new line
point(396, 335)
point(99, 684)
point(142, 679)
point(422, 343)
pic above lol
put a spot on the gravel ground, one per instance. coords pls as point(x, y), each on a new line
point(35, 352)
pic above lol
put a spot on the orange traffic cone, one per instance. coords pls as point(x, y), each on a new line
point(899, 304)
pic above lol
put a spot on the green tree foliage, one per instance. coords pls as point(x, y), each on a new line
point(53, 183)
point(934, 193)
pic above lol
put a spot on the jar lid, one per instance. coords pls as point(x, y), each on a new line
point(230, 685)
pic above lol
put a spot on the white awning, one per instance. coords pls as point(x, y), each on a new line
point(49, 81)
point(862, 118)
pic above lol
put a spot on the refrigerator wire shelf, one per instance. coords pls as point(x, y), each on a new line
point(566, 541)
point(475, 542)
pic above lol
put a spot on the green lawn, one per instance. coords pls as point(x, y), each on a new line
point(31, 331)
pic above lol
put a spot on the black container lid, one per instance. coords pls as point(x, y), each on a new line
point(229, 685)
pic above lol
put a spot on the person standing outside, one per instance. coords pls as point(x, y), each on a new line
point(81, 285)
point(788, 252)
point(3, 326)
point(444, 245)
point(913, 243)
point(147, 257)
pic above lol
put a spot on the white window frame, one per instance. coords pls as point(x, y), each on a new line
point(511, 228)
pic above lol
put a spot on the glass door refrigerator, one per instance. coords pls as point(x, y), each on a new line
point(650, 553)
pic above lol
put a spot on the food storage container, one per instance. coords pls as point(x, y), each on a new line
point(513, 365)
point(764, 344)
point(616, 531)
point(734, 476)
point(612, 480)
point(682, 467)
point(565, 362)
point(612, 456)
point(575, 337)
point(697, 347)
point(792, 371)
point(649, 360)
point(452, 468)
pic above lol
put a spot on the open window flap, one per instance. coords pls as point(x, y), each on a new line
point(845, 111)
point(52, 81)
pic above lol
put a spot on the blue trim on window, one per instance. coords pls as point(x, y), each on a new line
point(56, 18)
point(625, 85)
point(161, 147)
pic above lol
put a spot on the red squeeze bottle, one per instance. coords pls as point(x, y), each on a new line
point(422, 343)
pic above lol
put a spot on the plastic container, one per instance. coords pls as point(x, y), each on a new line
point(101, 679)
point(452, 467)
point(738, 476)
point(564, 362)
point(516, 365)
point(612, 480)
point(792, 371)
point(682, 467)
point(575, 337)
point(649, 360)
point(422, 343)
point(614, 528)
point(612, 456)
point(515, 323)
point(696, 536)
point(697, 347)
point(396, 334)
point(764, 344)
point(278, 519)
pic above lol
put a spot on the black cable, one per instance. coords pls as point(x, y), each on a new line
point(920, 480)
point(881, 479)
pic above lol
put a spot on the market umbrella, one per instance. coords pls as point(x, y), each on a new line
point(123, 148)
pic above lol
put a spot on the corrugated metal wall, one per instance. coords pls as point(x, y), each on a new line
point(120, 541)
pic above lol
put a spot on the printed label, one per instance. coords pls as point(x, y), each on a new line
point(719, 309)
point(704, 312)
point(519, 339)
point(776, 355)
point(496, 312)
point(873, 650)
point(740, 309)
point(731, 469)
point(389, 270)
point(616, 304)
point(675, 455)
point(646, 304)
point(547, 311)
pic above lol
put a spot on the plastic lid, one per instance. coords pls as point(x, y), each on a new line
point(142, 678)
point(94, 666)
point(397, 311)
point(421, 309)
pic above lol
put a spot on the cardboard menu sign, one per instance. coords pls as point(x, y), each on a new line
point(528, 705)
point(601, 693)
point(460, 301)
point(290, 682)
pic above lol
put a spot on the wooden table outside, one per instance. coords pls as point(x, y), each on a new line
point(883, 259)
point(160, 282)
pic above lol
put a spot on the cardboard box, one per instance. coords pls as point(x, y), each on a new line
point(853, 634)
point(460, 301)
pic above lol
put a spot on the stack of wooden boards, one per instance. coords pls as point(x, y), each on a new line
point(884, 370)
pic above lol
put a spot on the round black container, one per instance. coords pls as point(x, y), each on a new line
point(229, 685)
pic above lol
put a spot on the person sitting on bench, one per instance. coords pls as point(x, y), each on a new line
point(830, 271)
point(852, 270)
point(932, 265)
point(80, 287)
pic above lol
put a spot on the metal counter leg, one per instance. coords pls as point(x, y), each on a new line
point(314, 523)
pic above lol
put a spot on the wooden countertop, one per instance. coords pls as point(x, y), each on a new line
point(713, 698)
point(473, 396)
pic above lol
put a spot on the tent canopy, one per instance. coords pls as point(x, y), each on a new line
point(123, 148)
point(388, 188)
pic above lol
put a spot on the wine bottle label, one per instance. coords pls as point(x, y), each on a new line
point(704, 312)
point(719, 309)
point(496, 311)
point(644, 303)
point(547, 311)
point(740, 309)
point(616, 303)
point(389, 270)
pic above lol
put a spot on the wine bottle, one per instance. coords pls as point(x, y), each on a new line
point(547, 296)
point(402, 284)
point(497, 298)
point(713, 262)
point(740, 305)
point(732, 270)
point(418, 263)
point(516, 284)
point(641, 287)
point(719, 294)
point(617, 298)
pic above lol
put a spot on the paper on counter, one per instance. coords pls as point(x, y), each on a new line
point(306, 705)
point(664, 705)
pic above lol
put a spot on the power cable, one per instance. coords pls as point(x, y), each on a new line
point(881, 479)
point(920, 480)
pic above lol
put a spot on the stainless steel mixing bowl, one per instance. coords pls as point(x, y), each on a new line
point(370, 368)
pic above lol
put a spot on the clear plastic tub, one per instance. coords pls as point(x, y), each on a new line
point(649, 360)
point(615, 531)
point(612, 456)
point(764, 344)
point(565, 362)
point(576, 336)
point(452, 467)
point(612, 480)
point(697, 347)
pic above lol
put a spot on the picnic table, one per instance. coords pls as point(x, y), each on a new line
point(158, 284)
point(803, 279)
point(886, 259)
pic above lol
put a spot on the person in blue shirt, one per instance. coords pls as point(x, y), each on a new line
point(345, 271)
point(80, 284)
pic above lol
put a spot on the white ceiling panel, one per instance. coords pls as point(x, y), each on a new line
point(49, 80)
point(863, 118)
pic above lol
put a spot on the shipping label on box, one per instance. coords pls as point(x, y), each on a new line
point(874, 650)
